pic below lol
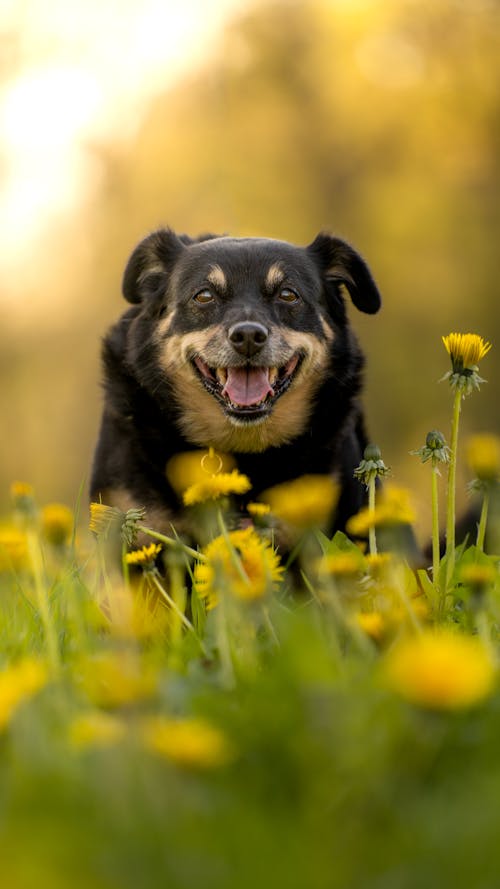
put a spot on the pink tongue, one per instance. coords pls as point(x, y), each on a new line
point(247, 385)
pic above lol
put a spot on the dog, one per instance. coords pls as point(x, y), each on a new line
point(240, 344)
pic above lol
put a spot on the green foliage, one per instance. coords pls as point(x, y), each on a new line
point(261, 743)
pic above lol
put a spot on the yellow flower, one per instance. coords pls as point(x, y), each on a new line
point(441, 670)
point(144, 556)
point(57, 523)
point(17, 683)
point(258, 510)
point(373, 623)
point(23, 499)
point(304, 502)
point(377, 563)
point(115, 679)
point(478, 575)
point(393, 508)
point(190, 743)
point(247, 567)
point(214, 486)
point(483, 456)
point(20, 490)
point(96, 729)
point(103, 517)
point(190, 467)
point(465, 350)
point(13, 549)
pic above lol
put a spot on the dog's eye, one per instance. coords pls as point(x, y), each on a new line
point(203, 297)
point(287, 295)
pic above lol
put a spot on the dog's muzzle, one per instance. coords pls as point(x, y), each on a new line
point(247, 392)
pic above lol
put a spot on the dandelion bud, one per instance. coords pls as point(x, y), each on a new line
point(372, 452)
point(435, 449)
point(372, 466)
point(129, 529)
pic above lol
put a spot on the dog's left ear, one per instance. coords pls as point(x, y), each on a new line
point(340, 263)
point(150, 264)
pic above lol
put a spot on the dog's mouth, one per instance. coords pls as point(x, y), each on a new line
point(247, 392)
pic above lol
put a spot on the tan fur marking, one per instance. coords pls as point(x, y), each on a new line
point(327, 330)
point(164, 325)
point(182, 346)
point(217, 277)
point(275, 275)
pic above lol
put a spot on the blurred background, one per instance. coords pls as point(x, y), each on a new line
point(375, 119)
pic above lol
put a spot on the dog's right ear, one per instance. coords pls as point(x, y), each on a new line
point(341, 264)
point(150, 264)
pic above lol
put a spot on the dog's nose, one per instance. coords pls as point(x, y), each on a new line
point(248, 337)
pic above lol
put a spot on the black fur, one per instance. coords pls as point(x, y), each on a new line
point(292, 294)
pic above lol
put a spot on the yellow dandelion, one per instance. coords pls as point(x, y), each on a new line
point(443, 670)
point(57, 523)
point(465, 350)
point(478, 575)
point(373, 623)
point(17, 683)
point(393, 508)
point(247, 566)
point(190, 743)
point(214, 486)
point(13, 549)
point(144, 556)
point(103, 518)
point(96, 730)
point(23, 499)
point(483, 456)
point(21, 490)
point(115, 679)
point(304, 502)
point(378, 563)
point(258, 510)
point(190, 467)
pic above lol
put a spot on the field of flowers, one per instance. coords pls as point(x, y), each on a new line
point(221, 715)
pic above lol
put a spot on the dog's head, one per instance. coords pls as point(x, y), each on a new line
point(242, 330)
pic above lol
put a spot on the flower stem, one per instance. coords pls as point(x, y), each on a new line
point(172, 542)
point(372, 540)
point(481, 529)
point(436, 550)
point(175, 608)
point(233, 554)
point(36, 559)
point(452, 474)
point(224, 645)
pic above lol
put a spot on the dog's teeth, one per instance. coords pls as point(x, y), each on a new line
point(273, 375)
point(221, 374)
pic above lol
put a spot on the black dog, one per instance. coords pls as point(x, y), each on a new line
point(240, 344)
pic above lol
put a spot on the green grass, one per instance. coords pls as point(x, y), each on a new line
point(328, 777)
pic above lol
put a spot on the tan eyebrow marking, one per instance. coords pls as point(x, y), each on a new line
point(217, 277)
point(275, 275)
